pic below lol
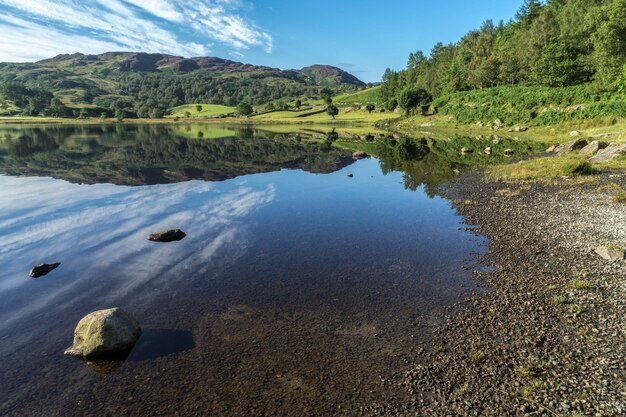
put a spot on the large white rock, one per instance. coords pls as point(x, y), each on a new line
point(104, 332)
point(610, 254)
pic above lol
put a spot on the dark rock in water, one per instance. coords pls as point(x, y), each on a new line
point(43, 269)
point(104, 333)
point(350, 175)
point(173, 235)
point(359, 155)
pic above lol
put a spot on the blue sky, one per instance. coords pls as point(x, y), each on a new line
point(360, 36)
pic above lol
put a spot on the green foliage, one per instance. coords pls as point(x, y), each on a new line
point(580, 168)
point(332, 110)
point(370, 108)
point(557, 43)
point(244, 108)
point(410, 98)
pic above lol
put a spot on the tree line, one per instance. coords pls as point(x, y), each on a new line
point(553, 43)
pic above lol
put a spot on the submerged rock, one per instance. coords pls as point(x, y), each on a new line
point(350, 175)
point(612, 151)
point(104, 332)
point(173, 235)
point(359, 155)
point(43, 269)
point(610, 254)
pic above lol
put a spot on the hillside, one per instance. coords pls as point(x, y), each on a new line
point(146, 85)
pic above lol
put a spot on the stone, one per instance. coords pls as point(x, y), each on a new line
point(610, 254)
point(612, 151)
point(593, 147)
point(173, 235)
point(571, 146)
point(466, 151)
point(498, 124)
point(551, 149)
point(480, 124)
point(104, 332)
point(43, 269)
point(359, 155)
point(508, 152)
point(521, 129)
point(350, 175)
point(574, 133)
point(488, 151)
point(496, 140)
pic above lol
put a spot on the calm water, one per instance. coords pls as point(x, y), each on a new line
point(298, 290)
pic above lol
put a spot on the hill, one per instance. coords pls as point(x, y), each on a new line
point(146, 85)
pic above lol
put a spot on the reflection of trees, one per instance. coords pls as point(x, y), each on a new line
point(145, 154)
point(431, 162)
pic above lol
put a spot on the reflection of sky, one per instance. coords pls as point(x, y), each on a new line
point(98, 233)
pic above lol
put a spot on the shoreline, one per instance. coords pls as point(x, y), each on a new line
point(548, 339)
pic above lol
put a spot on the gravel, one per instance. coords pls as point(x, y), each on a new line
point(549, 337)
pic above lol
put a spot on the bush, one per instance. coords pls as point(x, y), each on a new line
point(581, 168)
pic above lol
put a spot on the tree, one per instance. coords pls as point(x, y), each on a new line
point(298, 104)
point(530, 10)
point(332, 110)
point(244, 108)
point(198, 108)
point(411, 98)
point(370, 108)
point(156, 113)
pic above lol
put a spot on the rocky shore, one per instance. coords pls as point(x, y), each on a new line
point(549, 338)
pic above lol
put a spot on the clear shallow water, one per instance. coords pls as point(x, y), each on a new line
point(295, 293)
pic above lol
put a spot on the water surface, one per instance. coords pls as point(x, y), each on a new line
point(298, 291)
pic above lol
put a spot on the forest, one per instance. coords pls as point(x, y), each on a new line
point(557, 52)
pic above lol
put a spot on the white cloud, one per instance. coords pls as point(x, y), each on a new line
point(31, 30)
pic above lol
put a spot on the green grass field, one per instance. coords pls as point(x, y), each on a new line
point(207, 110)
point(346, 115)
point(363, 97)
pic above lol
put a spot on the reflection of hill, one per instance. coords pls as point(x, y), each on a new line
point(153, 154)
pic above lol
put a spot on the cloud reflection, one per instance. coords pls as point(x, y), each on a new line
point(99, 233)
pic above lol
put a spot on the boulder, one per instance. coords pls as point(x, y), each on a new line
point(551, 149)
point(173, 235)
point(104, 332)
point(488, 151)
point(350, 175)
point(521, 129)
point(497, 140)
point(571, 146)
point(612, 151)
point(466, 151)
point(359, 155)
point(498, 124)
point(593, 147)
point(508, 152)
point(574, 133)
point(480, 124)
point(43, 269)
point(610, 254)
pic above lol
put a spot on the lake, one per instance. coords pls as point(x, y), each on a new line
point(298, 291)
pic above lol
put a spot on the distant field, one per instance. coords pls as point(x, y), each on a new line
point(207, 110)
point(363, 97)
point(358, 116)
